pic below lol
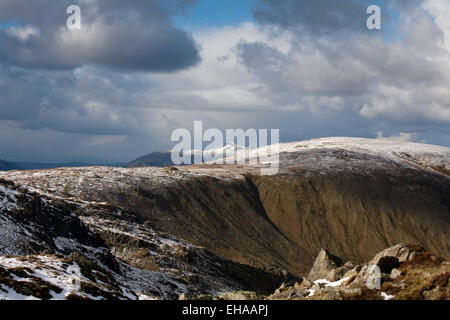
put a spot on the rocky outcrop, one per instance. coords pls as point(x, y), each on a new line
point(396, 254)
point(324, 266)
point(419, 275)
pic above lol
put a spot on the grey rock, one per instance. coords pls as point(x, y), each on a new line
point(401, 251)
point(301, 293)
point(316, 288)
point(350, 265)
point(306, 284)
point(182, 297)
point(341, 272)
point(352, 291)
point(241, 296)
point(428, 294)
point(323, 265)
point(330, 294)
point(395, 273)
point(411, 256)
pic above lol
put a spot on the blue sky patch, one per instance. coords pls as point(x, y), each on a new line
point(215, 13)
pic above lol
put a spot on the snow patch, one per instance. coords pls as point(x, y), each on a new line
point(331, 284)
point(387, 296)
point(8, 199)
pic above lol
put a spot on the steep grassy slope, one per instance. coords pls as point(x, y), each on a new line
point(358, 215)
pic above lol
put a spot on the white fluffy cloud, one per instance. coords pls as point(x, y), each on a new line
point(402, 79)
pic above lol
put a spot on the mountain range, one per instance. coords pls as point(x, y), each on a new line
point(19, 165)
point(162, 233)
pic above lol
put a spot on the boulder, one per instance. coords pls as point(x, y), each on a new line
point(395, 273)
point(183, 297)
point(350, 277)
point(402, 252)
point(323, 265)
point(341, 272)
point(306, 284)
point(285, 294)
point(316, 288)
point(328, 294)
point(301, 293)
point(355, 292)
point(282, 288)
point(367, 276)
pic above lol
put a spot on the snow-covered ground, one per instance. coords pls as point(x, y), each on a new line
point(328, 150)
point(21, 238)
point(61, 277)
point(8, 198)
point(318, 154)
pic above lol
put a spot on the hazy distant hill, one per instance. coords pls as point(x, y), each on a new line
point(164, 159)
point(37, 165)
point(6, 165)
point(155, 159)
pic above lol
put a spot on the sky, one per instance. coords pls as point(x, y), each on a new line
point(137, 70)
point(215, 13)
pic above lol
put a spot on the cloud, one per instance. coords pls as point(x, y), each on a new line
point(131, 35)
point(307, 78)
point(404, 80)
point(22, 33)
point(103, 140)
point(313, 17)
point(405, 137)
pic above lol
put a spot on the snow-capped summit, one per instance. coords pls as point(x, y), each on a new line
point(328, 151)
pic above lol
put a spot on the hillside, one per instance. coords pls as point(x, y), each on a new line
point(155, 159)
point(189, 225)
point(6, 165)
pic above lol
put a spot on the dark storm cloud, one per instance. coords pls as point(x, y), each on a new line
point(136, 35)
point(86, 101)
point(312, 17)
